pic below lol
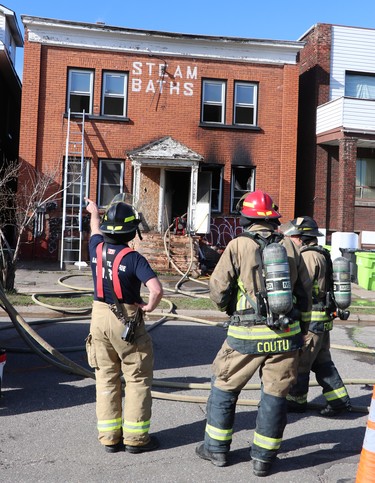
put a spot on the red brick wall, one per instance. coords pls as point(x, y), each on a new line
point(346, 184)
point(326, 174)
point(272, 149)
point(364, 218)
point(312, 193)
point(30, 104)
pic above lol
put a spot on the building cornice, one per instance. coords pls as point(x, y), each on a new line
point(150, 42)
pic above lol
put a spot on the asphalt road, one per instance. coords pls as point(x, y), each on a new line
point(48, 424)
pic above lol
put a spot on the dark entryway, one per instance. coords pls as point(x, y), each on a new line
point(177, 189)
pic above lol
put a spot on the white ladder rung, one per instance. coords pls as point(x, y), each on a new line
point(74, 159)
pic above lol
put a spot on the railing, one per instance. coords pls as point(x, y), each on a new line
point(348, 113)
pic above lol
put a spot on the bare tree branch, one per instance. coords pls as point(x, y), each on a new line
point(22, 202)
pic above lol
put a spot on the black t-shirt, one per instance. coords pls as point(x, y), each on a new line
point(134, 270)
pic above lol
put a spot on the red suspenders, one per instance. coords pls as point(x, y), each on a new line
point(115, 267)
point(99, 272)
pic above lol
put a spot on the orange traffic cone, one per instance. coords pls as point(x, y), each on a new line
point(366, 468)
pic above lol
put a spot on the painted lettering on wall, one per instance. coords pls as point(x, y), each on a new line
point(150, 77)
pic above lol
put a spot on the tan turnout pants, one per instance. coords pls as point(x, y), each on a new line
point(233, 370)
point(111, 357)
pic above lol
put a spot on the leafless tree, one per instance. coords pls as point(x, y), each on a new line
point(18, 211)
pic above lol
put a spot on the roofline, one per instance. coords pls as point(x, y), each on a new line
point(99, 26)
point(13, 25)
point(313, 27)
point(307, 32)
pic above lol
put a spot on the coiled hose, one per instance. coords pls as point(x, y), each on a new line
point(55, 356)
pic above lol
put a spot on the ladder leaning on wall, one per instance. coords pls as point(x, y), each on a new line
point(73, 195)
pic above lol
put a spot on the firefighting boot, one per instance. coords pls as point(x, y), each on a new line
point(331, 412)
point(293, 407)
point(261, 468)
point(217, 459)
point(114, 448)
point(152, 444)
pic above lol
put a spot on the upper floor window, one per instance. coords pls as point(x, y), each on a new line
point(80, 90)
point(245, 100)
point(365, 179)
point(361, 86)
point(213, 101)
point(114, 94)
point(242, 181)
point(216, 186)
point(110, 180)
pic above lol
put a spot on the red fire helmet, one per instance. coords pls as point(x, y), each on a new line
point(259, 204)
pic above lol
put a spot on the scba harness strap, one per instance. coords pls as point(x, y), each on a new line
point(330, 303)
point(261, 240)
point(246, 318)
point(260, 312)
point(100, 273)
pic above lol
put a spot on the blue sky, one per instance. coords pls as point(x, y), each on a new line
point(263, 19)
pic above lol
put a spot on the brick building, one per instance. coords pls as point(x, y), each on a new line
point(10, 103)
point(184, 124)
point(336, 135)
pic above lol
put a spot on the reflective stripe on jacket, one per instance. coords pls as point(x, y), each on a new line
point(316, 266)
point(240, 265)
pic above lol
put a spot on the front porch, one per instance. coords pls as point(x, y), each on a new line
point(172, 254)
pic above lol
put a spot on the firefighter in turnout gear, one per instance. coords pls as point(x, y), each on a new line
point(316, 356)
point(118, 343)
point(256, 339)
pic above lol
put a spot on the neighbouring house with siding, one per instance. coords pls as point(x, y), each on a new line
point(182, 124)
point(10, 97)
point(336, 133)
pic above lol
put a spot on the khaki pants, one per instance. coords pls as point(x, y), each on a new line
point(233, 370)
point(112, 357)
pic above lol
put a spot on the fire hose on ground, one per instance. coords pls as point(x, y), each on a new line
point(56, 357)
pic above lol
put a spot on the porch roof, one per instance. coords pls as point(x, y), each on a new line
point(165, 151)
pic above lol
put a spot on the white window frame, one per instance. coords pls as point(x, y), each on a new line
point(102, 184)
point(246, 105)
point(235, 192)
point(364, 191)
point(107, 94)
point(360, 85)
point(88, 93)
point(211, 102)
point(218, 189)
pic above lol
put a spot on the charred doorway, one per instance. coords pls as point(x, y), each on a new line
point(177, 191)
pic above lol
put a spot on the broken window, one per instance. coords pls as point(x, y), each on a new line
point(110, 180)
point(243, 181)
point(216, 186)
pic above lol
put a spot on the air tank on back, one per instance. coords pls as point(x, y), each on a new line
point(341, 282)
point(278, 285)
